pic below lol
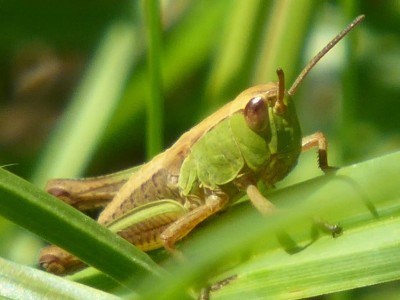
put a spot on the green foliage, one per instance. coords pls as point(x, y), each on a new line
point(211, 51)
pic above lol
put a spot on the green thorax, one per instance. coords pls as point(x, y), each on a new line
point(231, 148)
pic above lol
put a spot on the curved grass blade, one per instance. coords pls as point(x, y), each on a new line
point(362, 200)
point(20, 282)
point(60, 224)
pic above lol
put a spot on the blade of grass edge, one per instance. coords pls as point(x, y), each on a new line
point(20, 282)
point(42, 214)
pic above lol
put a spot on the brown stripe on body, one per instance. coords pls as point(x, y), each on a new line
point(129, 197)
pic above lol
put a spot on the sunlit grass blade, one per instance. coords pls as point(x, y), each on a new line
point(73, 143)
point(181, 57)
point(20, 282)
point(356, 196)
point(284, 39)
point(58, 223)
point(363, 256)
point(234, 57)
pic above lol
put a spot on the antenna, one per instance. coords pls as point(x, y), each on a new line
point(321, 54)
point(280, 105)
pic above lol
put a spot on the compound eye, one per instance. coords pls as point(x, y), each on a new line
point(256, 114)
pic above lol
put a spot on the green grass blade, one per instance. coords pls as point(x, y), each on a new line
point(349, 120)
point(58, 223)
point(363, 256)
point(350, 196)
point(182, 55)
point(73, 143)
point(20, 282)
point(234, 54)
point(284, 39)
point(155, 100)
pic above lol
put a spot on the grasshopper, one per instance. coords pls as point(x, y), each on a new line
point(256, 137)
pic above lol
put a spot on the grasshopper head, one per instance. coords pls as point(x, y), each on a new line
point(256, 111)
point(270, 114)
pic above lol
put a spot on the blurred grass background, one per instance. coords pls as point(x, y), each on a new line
point(74, 83)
